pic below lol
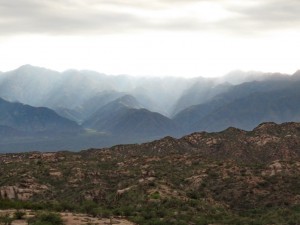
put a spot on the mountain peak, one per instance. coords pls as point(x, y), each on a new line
point(266, 125)
point(296, 74)
point(28, 67)
point(129, 101)
point(234, 130)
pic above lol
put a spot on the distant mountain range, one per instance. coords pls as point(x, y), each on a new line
point(82, 91)
point(126, 116)
point(19, 119)
point(102, 110)
point(246, 105)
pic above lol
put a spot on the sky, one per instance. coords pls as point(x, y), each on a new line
point(185, 38)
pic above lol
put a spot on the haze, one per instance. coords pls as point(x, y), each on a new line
point(156, 38)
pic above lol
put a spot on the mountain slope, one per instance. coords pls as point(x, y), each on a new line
point(203, 90)
point(33, 120)
point(245, 106)
point(6, 131)
point(232, 177)
point(28, 84)
point(125, 116)
point(76, 87)
point(74, 90)
point(246, 113)
point(200, 92)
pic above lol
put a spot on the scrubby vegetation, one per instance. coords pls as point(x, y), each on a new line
point(46, 219)
point(18, 215)
point(170, 181)
point(5, 220)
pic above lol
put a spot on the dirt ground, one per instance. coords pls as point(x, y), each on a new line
point(80, 219)
point(71, 219)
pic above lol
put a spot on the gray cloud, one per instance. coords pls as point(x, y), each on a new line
point(115, 16)
point(265, 16)
point(48, 16)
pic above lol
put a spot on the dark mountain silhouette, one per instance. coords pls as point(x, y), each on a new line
point(6, 131)
point(245, 106)
point(33, 120)
point(125, 116)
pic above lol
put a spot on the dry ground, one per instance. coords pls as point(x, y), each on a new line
point(71, 219)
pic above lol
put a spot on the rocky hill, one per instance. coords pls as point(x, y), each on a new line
point(230, 177)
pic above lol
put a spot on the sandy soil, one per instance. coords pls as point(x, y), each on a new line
point(81, 219)
point(19, 222)
point(71, 219)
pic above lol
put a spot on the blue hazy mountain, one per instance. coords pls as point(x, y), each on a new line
point(124, 109)
point(75, 93)
point(126, 116)
point(245, 106)
point(27, 120)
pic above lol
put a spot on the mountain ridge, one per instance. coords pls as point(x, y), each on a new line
point(90, 99)
point(126, 116)
point(72, 88)
point(33, 120)
point(226, 109)
point(230, 177)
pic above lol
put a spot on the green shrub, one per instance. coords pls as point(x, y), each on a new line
point(155, 195)
point(5, 220)
point(46, 219)
point(19, 214)
point(89, 207)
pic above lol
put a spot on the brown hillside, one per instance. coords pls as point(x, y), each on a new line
point(215, 177)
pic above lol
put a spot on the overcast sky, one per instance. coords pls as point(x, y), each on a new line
point(151, 37)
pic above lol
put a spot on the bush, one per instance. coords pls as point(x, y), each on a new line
point(46, 219)
point(155, 195)
point(5, 220)
point(89, 207)
point(19, 215)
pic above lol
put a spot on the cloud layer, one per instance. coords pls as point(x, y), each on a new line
point(67, 17)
